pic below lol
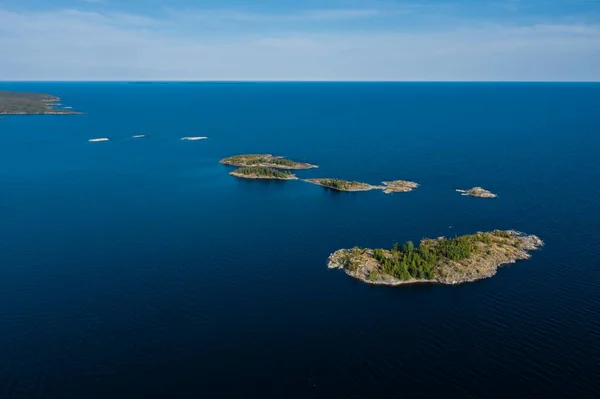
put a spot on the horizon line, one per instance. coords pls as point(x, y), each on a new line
point(286, 81)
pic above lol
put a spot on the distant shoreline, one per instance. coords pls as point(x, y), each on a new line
point(54, 112)
point(26, 103)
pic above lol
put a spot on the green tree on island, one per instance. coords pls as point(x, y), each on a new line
point(408, 262)
point(263, 171)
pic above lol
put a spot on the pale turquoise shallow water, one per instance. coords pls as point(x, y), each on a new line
point(139, 268)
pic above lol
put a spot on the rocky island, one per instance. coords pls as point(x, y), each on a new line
point(443, 260)
point(18, 103)
point(266, 160)
point(343, 185)
point(399, 186)
point(262, 172)
point(478, 192)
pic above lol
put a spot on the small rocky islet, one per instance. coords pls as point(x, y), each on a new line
point(342, 185)
point(399, 186)
point(478, 192)
point(455, 260)
point(268, 166)
point(265, 160)
point(264, 167)
point(262, 172)
point(395, 186)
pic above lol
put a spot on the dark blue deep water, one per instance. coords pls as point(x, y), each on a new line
point(140, 268)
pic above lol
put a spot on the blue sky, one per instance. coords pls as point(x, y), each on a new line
point(464, 40)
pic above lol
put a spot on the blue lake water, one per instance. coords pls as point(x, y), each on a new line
point(140, 268)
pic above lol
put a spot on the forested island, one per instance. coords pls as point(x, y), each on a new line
point(266, 160)
point(399, 186)
point(343, 185)
point(443, 260)
point(478, 192)
point(262, 172)
point(20, 103)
